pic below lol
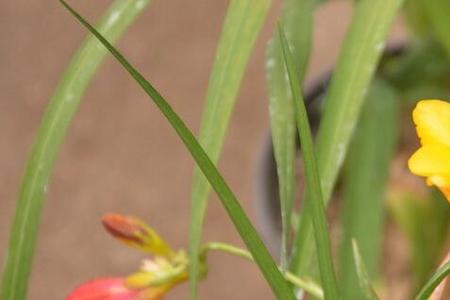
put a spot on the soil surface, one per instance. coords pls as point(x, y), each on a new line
point(120, 154)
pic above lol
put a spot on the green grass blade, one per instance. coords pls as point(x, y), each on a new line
point(240, 31)
point(298, 22)
point(57, 119)
point(240, 220)
point(357, 63)
point(368, 293)
point(322, 237)
point(365, 178)
point(434, 281)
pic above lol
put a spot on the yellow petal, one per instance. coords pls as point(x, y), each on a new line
point(432, 118)
point(431, 160)
point(155, 292)
point(140, 280)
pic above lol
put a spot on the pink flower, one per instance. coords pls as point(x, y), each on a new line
point(104, 289)
point(116, 289)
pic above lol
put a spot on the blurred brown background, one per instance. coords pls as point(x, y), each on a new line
point(120, 154)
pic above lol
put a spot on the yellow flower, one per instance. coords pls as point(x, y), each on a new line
point(432, 160)
point(160, 271)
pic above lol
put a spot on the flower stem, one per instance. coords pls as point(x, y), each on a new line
point(306, 284)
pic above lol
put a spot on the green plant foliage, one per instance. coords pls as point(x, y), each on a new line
point(425, 222)
point(367, 291)
point(423, 63)
point(437, 13)
point(298, 23)
point(356, 66)
point(306, 284)
point(243, 225)
point(416, 17)
point(318, 216)
point(366, 174)
point(240, 30)
point(57, 119)
point(434, 281)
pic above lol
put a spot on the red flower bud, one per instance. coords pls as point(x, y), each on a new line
point(136, 233)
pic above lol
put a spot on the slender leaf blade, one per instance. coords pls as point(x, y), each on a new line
point(298, 22)
point(434, 281)
point(364, 182)
point(368, 293)
point(356, 66)
point(239, 218)
point(240, 30)
point(52, 131)
point(322, 237)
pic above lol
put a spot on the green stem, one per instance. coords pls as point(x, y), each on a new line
point(308, 285)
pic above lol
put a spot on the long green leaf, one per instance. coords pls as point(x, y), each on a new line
point(356, 66)
point(240, 220)
point(434, 281)
point(322, 237)
point(57, 119)
point(366, 174)
point(368, 293)
point(240, 30)
point(298, 22)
